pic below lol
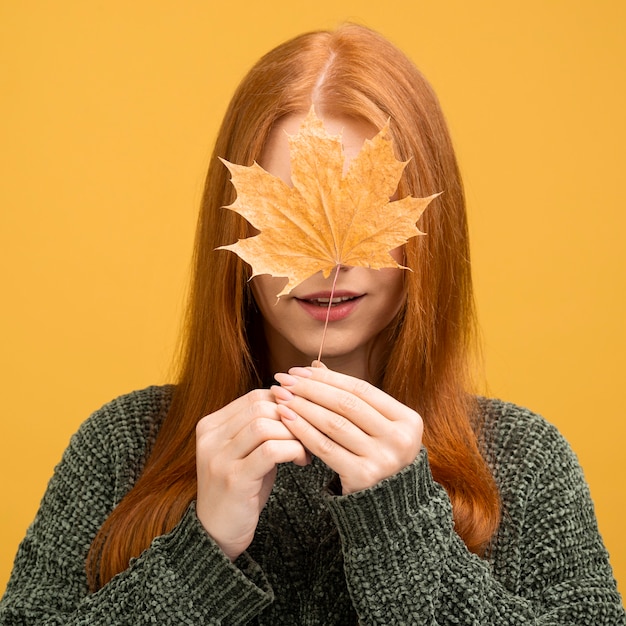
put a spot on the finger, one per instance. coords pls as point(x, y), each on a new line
point(256, 433)
point(241, 404)
point(333, 454)
point(335, 400)
point(234, 416)
point(270, 453)
point(317, 363)
point(372, 395)
point(334, 425)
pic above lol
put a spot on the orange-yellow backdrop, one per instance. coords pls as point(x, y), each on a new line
point(107, 115)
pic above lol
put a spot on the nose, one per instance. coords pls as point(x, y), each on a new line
point(334, 273)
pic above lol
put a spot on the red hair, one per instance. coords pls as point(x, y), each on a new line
point(356, 72)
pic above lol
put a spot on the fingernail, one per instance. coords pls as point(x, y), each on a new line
point(317, 363)
point(303, 372)
point(287, 413)
point(281, 393)
point(285, 380)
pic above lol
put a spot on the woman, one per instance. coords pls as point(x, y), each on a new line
point(374, 489)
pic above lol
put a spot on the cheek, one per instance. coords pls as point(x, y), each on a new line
point(393, 288)
point(391, 278)
point(395, 279)
point(264, 289)
point(398, 255)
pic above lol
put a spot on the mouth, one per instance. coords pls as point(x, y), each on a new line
point(323, 301)
point(320, 305)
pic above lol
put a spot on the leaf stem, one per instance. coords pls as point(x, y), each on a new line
point(330, 304)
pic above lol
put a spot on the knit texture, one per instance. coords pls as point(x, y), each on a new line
point(385, 555)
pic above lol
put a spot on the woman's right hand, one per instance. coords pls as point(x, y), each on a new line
point(237, 451)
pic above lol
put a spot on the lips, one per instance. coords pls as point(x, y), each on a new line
point(341, 305)
point(326, 301)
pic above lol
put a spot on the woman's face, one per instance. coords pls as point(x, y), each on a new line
point(365, 301)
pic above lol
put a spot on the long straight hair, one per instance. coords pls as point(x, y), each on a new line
point(355, 72)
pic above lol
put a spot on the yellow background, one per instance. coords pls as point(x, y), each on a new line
point(107, 114)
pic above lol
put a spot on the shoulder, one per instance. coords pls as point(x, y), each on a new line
point(510, 425)
point(141, 406)
point(519, 441)
point(102, 461)
point(507, 419)
point(126, 426)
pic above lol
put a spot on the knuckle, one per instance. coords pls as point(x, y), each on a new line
point(401, 438)
point(201, 428)
point(413, 417)
point(405, 446)
point(347, 402)
point(361, 388)
point(205, 425)
point(204, 440)
point(337, 423)
point(259, 428)
point(258, 408)
point(256, 395)
point(268, 449)
point(382, 464)
point(410, 427)
point(327, 446)
point(406, 442)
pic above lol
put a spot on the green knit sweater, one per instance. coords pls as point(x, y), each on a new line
point(386, 555)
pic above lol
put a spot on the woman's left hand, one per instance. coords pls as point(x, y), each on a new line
point(358, 430)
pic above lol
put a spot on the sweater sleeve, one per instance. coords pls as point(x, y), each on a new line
point(182, 578)
point(405, 564)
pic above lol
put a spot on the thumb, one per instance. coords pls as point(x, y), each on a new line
point(317, 363)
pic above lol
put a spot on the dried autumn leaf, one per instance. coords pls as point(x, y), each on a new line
point(327, 219)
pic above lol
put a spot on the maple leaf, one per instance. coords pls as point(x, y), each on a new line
point(327, 219)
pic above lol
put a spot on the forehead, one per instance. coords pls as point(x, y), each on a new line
point(275, 155)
